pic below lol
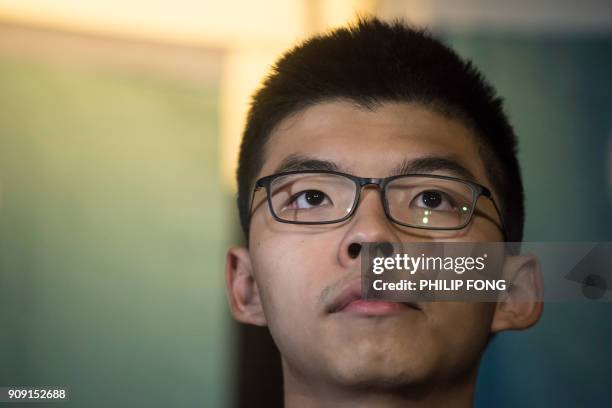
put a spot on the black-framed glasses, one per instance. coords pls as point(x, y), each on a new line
point(427, 201)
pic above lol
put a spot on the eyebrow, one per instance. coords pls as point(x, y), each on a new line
point(430, 164)
point(296, 162)
point(421, 165)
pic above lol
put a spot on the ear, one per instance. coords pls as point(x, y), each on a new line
point(242, 292)
point(522, 306)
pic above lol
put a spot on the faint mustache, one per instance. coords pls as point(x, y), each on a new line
point(329, 293)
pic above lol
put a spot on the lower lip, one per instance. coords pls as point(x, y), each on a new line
point(375, 307)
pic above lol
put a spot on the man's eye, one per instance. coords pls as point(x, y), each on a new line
point(308, 199)
point(434, 200)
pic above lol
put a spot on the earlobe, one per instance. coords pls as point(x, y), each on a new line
point(522, 306)
point(242, 291)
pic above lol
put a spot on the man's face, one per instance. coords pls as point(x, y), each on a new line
point(301, 270)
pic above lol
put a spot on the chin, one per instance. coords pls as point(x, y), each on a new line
point(381, 369)
point(379, 377)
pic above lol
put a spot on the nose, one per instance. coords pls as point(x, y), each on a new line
point(368, 224)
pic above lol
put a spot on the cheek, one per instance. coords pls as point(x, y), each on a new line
point(461, 328)
point(290, 280)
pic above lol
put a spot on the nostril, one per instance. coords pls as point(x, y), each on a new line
point(386, 248)
point(354, 249)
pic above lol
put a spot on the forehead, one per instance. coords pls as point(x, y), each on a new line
point(372, 142)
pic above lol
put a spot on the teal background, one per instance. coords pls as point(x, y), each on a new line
point(558, 93)
point(113, 229)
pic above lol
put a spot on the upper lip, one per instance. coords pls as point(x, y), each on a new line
point(351, 293)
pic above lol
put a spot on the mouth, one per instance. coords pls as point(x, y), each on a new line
point(350, 301)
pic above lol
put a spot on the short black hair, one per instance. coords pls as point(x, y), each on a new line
point(373, 62)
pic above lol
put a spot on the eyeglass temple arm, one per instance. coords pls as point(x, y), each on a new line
point(487, 193)
point(258, 186)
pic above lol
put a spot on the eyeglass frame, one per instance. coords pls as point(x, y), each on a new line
point(478, 191)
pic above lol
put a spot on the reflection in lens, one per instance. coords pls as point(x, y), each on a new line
point(430, 201)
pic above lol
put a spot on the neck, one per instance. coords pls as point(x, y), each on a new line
point(302, 393)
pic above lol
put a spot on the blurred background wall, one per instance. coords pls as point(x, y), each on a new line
point(119, 127)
